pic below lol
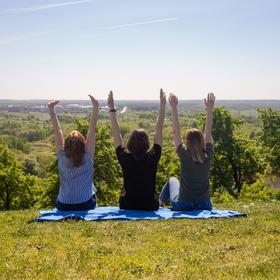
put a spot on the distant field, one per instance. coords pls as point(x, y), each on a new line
point(43, 151)
point(239, 248)
point(41, 147)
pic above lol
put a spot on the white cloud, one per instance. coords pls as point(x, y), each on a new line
point(13, 39)
point(44, 7)
point(111, 27)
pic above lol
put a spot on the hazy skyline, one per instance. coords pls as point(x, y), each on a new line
point(68, 49)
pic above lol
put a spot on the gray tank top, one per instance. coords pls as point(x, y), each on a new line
point(194, 181)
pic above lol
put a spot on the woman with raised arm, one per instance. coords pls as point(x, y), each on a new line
point(75, 163)
point(195, 154)
point(138, 162)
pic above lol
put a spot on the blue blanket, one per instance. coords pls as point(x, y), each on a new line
point(114, 213)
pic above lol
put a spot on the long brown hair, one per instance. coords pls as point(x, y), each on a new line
point(74, 147)
point(138, 143)
point(195, 144)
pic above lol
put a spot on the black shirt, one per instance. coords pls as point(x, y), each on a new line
point(139, 179)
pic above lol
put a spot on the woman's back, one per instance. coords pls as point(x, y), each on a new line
point(192, 192)
point(194, 180)
point(139, 174)
point(75, 166)
point(75, 182)
point(139, 165)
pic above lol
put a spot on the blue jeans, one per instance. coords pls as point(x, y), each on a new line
point(170, 193)
point(90, 204)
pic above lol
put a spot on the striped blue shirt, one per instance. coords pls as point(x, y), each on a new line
point(75, 182)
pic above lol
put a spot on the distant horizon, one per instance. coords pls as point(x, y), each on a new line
point(217, 100)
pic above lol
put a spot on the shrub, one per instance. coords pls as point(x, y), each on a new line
point(222, 197)
point(261, 190)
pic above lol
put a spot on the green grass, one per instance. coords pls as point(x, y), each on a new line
point(239, 248)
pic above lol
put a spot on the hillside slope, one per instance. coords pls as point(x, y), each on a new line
point(239, 248)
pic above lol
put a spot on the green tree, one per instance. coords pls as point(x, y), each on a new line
point(51, 186)
point(271, 137)
point(107, 171)
point(16, 188)
point(237, 159)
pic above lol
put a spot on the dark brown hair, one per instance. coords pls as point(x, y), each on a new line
point(195, 144)
point(74, 147)
point(138, 143)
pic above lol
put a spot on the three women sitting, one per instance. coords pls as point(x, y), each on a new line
point(138, 163)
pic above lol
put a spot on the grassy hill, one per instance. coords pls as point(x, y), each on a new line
point(239, 248)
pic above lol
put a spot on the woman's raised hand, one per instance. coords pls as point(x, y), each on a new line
point(110, 101)
point(210, 101)
point(51, 104)
point(173, 100)
point(162, 97)
point(94, 102)
point(114, 122)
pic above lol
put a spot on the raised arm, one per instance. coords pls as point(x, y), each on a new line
point(91, 138)
point(173, 101)
point(160, 120)
point(115, 125)
point(58, 135)
point(209, 103)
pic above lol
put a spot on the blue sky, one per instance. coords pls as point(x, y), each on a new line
point(66, 49)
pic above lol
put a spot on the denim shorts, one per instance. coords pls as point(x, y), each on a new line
point(188, 205)
point(90, 204)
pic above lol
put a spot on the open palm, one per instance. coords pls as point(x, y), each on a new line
point(52, 103)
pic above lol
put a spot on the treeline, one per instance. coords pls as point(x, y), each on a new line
point(19, 132)
point(246, 166)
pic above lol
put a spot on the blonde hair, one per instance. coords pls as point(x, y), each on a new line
point(74, 147)
point(195, 144)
